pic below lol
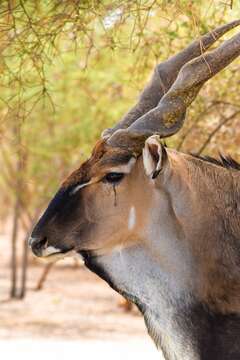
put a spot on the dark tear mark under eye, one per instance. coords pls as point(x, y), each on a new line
point(115, 195)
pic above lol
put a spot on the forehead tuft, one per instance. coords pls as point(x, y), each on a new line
point(103, 156)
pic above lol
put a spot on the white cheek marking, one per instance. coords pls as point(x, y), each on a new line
point(78, 187)
point(132, 218)
point(118, 248)
point(50, 250)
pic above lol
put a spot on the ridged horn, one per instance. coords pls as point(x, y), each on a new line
point(167, 117)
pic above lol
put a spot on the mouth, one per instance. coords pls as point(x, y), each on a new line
point(54, 256)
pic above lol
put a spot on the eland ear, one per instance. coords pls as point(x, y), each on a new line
point(154, 156)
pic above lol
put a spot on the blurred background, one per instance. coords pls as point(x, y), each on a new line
point(68, 70)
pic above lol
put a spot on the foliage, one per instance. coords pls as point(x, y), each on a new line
point(69, 69)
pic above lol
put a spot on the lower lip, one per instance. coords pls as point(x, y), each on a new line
point(58, 256)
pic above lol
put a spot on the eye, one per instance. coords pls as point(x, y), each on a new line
point(113, 177)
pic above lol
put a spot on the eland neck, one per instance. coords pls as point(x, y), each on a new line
point(177, 274)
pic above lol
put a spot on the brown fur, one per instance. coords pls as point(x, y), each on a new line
point(218, 198)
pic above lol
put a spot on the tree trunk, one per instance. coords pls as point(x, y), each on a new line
point(16, 212)
point(13, 292)
point(32, 220)
point(24, 267)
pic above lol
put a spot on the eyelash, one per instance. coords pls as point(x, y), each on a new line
point(113, 177)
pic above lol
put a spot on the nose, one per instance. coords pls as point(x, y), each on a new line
point(37, 244)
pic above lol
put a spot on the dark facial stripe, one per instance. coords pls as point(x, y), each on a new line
point(53, 208)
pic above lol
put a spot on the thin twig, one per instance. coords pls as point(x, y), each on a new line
point(218, 127)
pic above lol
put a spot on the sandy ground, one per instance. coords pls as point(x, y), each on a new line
point(76, 313)
point(74, 304)
point(64, 350)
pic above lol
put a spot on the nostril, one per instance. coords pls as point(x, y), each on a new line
point(40, 243)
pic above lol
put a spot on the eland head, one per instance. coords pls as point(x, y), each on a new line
point(161, 227)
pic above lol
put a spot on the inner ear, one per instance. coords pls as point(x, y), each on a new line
point(153, 149)
point(154, 156)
